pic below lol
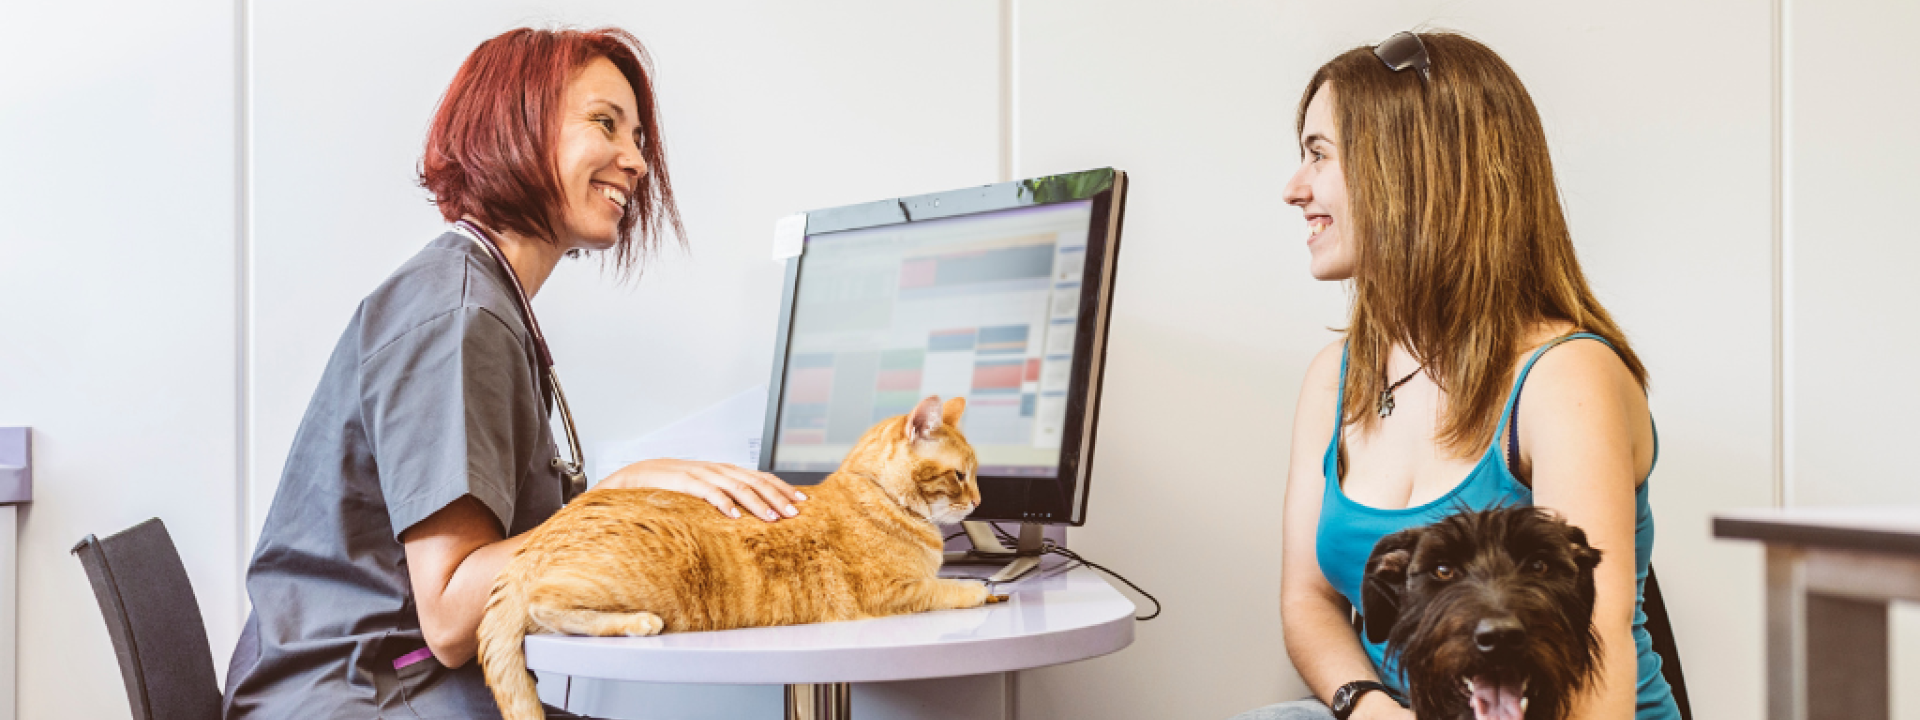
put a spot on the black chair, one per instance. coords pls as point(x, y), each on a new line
point(1661, 632)
point(158, 634)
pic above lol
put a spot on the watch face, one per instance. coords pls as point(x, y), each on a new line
point(1342, 698)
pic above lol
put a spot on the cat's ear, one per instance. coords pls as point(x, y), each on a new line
point(924, 419)
point(950, 412)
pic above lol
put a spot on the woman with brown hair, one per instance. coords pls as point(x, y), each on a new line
point(426, 452)
point(1425, 182)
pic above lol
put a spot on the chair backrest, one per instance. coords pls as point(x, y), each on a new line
point(1661, 631)
point(158, 634)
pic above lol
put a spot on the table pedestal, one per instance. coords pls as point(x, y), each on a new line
point(819, 701)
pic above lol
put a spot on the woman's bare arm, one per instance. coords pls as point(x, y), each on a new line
point(1320, 638)
point(452, 559)
point(1587, 441)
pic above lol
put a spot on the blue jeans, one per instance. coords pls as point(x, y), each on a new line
point(1308, 709)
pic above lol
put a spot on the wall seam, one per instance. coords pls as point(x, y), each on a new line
point(243, 298)
point(1009, 170)
point(1783, 325)
point(1009, 90)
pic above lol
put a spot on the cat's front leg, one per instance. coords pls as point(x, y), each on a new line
point(939, 594)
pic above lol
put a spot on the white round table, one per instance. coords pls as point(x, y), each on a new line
point(1046, 620)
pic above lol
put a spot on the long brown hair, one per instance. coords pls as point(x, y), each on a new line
point(1460, 245)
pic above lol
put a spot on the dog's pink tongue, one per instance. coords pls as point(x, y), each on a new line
point(1492, 701)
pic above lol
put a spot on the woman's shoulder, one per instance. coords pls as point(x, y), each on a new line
point(1326, 361)
point(446, 284)
point(1580, 364)
point(1582, 390)
point(1320, 388)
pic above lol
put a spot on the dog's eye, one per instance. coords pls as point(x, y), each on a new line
point(1443, 573)
point(1537, 566)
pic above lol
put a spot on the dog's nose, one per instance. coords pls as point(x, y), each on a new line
point(1495, 634)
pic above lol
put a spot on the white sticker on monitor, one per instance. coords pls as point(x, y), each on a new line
point(789, 236)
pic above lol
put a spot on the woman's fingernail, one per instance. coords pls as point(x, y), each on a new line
point(791, 511)
point(799, 494)
point(734, 512)
point(771, 516)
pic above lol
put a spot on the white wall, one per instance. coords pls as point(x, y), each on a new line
point(121, 319)
point(117, 314)
point(1851, 250)
point(1854, 247)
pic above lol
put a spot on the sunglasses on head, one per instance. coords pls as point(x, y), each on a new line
point(1404, 50)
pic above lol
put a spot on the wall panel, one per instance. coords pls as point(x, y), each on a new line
point(117, 301)
point(1852, 250)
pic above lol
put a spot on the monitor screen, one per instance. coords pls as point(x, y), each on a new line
point(999, 294)
point(983, 307)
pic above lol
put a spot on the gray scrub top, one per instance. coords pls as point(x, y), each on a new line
point(432, 393)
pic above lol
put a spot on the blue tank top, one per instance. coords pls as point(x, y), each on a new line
point(1348, 531)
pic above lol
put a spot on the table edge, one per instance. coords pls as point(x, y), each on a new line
point(1785, 531)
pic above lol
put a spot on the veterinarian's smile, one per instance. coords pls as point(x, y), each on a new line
point(614, 194)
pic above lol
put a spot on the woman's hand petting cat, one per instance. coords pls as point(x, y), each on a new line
point(727, 487)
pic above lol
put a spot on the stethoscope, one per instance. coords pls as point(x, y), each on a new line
point(572, 480)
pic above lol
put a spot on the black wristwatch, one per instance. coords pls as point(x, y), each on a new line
point(1349, 695)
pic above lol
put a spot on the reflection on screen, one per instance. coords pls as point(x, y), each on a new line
point(981, 307)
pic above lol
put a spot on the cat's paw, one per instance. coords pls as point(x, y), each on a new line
point(978, 593)
point(645, 624)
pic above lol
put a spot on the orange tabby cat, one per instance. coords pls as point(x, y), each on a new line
point(641, 562)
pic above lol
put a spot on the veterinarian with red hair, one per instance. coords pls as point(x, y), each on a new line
point(1426, 184)
point(426, 452)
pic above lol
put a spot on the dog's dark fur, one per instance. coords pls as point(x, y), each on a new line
point(1517, 605)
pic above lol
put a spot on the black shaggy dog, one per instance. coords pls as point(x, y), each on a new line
point(1489, 613)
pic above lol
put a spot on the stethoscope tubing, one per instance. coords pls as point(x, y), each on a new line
point(572, 480)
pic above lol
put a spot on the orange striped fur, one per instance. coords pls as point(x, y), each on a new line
point(642, 562)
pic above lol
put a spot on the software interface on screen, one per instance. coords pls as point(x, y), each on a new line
point(981, 307)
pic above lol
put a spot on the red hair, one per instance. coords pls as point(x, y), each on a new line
point(490, 151)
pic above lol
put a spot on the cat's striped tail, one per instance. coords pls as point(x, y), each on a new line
point(503, 657)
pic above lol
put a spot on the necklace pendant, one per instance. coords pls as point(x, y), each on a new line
point(1386, 403)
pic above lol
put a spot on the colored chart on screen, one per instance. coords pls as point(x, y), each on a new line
point(983, 307)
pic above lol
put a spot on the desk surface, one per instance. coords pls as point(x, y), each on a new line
point(1874, 529)
point(1046, 621)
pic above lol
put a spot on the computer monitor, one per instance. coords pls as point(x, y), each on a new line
point(999, 294)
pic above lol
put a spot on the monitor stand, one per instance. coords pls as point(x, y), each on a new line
point(987, 550)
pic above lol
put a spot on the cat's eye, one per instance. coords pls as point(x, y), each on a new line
point(1444, 573)
point(1537, 566)
point(959, 476)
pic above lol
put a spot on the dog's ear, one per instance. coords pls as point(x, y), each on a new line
point(1386, 582)
point(1584, 555)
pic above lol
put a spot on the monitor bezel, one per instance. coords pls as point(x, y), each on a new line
point(1057, 499)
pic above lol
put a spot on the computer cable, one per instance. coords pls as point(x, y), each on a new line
point(1047, 546)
